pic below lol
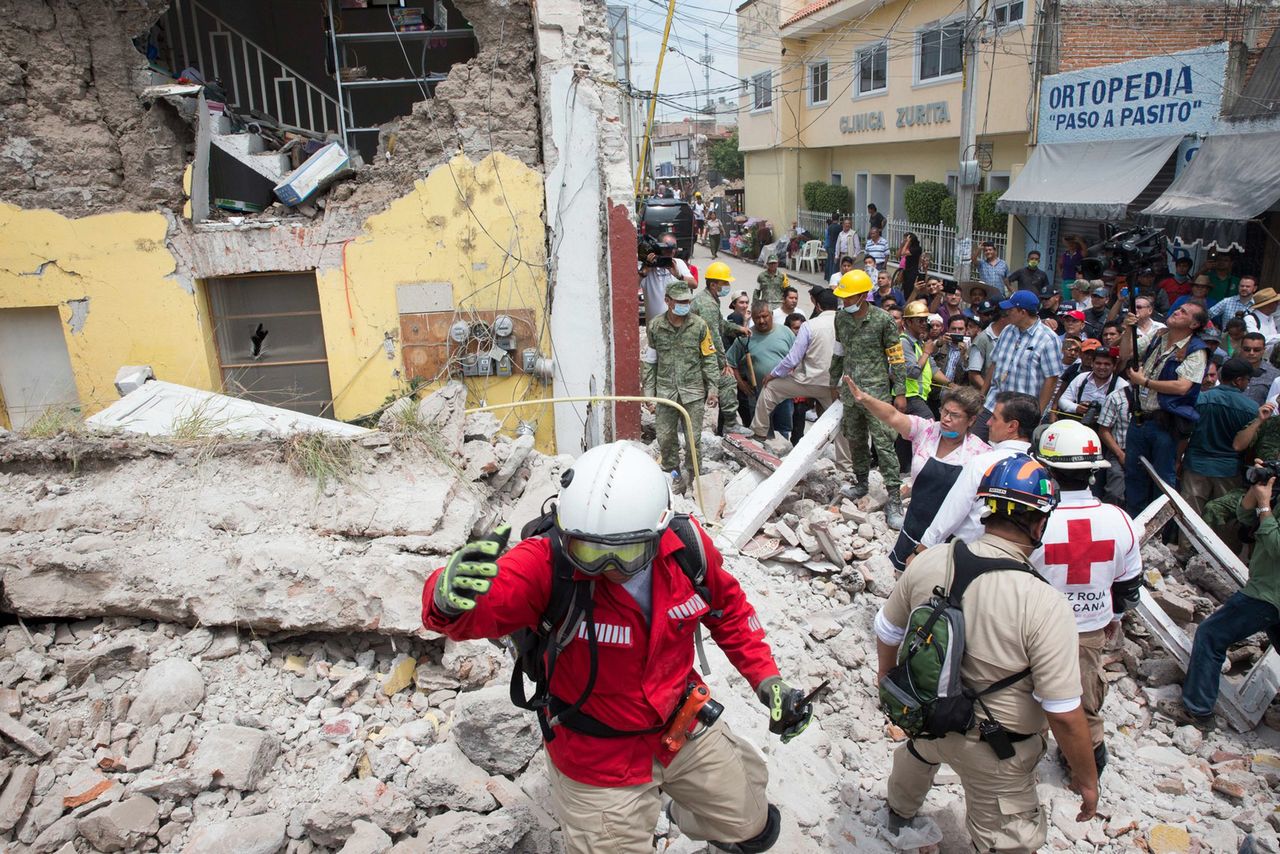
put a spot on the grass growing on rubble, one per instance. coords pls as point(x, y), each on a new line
point(410, 430)
point(55, 421)
point(321, 457)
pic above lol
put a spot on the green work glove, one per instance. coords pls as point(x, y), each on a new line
point(469, 573)
point(787, 716)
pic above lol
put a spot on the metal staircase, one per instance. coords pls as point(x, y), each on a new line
point(254, 79)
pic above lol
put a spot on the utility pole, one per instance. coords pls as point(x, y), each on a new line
point(708, 111)
point(975, 23)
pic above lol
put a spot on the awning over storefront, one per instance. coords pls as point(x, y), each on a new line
point(1087, 180)
point(1232, 179)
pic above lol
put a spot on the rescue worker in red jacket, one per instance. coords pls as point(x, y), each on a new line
point(611, 524)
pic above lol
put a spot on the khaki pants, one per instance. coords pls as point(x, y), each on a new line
point(1002, 812)
point(779, 389)
point(1199, 489)
point(717, 784)
point(1093, 685)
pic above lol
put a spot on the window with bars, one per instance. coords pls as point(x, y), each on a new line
point(940, 51)
point(762, 90)
point(819, 79)
point(1008, 14)
point(872, 64)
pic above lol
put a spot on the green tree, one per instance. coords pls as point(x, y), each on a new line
point(726, 158)
point(985, 215)
point(923, 201)
point(947, 211)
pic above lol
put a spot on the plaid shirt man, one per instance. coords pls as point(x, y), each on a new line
point(993, 274)
point(1229, 308)
point(1115, 415)
point(1022, 361)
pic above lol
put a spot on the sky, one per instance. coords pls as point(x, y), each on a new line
point(683, 72)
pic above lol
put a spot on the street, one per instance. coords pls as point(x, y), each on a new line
point(745, 273)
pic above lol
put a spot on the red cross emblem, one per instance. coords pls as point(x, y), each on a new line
point(1091, 448)
point(1080, 552)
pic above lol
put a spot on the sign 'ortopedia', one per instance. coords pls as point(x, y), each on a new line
point(1166, 95)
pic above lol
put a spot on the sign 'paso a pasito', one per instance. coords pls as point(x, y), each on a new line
point(1165, 95)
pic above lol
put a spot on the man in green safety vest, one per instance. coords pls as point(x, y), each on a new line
point(917, 350)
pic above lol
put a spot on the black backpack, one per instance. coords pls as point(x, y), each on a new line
point(568, 610)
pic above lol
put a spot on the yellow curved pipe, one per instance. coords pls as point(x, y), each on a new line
point(694, 462)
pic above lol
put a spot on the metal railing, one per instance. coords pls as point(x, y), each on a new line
point(938, 240)
point(252, 77)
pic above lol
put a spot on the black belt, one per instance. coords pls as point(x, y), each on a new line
point(581, 722)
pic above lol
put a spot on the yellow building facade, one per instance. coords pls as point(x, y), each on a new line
point(127, 290)
point(868, 95)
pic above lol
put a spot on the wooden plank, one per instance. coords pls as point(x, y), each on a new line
point(750, 452)
point(752, 513)
point(1241, 701)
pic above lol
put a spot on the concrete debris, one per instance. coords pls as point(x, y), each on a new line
point(332, 723)
point(257, 834)
point(332, 820)
point(493, 734)
point(121, 826)
point(173, 686)
point(236, 757)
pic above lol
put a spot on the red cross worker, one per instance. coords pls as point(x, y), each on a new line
point(1091, 553)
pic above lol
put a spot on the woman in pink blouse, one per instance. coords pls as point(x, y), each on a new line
point(947, 441)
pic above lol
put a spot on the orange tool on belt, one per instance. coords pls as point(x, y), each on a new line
point(695, 705)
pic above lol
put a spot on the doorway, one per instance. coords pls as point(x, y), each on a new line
point(270, 340)
point(35, 368)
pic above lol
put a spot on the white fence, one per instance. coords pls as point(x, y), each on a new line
point(938, 240)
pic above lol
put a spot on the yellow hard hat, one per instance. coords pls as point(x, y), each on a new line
point(916, 308)
point(718, 270)
point(853, 283)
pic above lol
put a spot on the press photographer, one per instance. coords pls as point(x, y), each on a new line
point(659, 266)
point(1254, 609)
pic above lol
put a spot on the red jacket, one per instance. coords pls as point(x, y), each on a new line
point(643, 667)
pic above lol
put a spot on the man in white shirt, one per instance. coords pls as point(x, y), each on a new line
point(847, 240)
point(960, 514)
point(656, 274)
point(1089, 389)
point(1262, 317)
point(1091, 553)
point(846, 264)
point(1148, 326)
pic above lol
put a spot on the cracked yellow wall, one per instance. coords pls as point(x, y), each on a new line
point(491, 248)
point(137, 314)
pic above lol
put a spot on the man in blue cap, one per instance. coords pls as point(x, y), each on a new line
point(1027, 357)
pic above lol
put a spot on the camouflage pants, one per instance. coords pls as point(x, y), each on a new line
point(858, 426)
point(727, 388)
point(670, 426)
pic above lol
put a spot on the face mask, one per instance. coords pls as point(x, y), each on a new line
point(681, 309)
point(853, 309)
point(1033, 264)
point(951, 434)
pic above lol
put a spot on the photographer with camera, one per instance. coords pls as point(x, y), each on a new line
point(1255, 608)
point(659, 267)
point(1084, 395)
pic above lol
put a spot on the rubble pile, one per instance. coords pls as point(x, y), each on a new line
point(221, 652)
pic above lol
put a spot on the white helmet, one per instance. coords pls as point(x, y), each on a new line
point(614, 504)
point(1070, 445)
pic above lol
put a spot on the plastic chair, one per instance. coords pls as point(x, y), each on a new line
point(810, 254)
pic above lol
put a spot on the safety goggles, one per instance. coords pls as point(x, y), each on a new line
point(593, 557)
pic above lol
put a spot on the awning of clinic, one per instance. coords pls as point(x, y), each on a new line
point(1087, 180)
point(1232, 179)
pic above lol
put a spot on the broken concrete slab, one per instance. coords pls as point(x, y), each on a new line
point(495, 735)
point(16, 795)
point(331, 820)
point(121, 826)
point(170, 686)
point(257, 834)
point(236, 757)
point(23, 736)
point(156, 406)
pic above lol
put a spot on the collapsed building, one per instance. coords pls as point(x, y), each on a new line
point(320, 206)
point(214, 638)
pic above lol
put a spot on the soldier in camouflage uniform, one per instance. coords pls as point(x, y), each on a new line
point(869, 351)
point(770, 283)
point(680, 364)
point(706, 304)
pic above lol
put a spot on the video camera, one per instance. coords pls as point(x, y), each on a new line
point(1133, 249)
point(648, 245)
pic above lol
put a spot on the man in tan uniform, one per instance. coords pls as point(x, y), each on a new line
point(1013, 621)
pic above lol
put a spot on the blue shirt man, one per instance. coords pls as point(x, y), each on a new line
point(1224, 411)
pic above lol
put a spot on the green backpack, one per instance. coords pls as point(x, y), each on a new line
point(924, 694)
